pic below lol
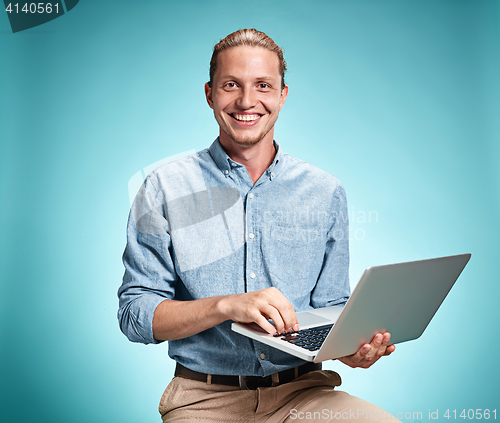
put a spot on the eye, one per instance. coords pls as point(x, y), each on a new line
point(229, 85)
point(264, 86)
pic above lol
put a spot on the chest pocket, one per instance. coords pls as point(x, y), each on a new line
point(294, 254)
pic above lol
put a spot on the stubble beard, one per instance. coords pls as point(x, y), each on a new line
point(248, 141)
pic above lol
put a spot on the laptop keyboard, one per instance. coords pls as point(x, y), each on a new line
point(310, 339)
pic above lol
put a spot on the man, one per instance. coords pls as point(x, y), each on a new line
point(241, 232)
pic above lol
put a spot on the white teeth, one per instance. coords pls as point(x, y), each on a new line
point(246, 118)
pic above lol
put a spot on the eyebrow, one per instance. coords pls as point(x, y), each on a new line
point(259, 78)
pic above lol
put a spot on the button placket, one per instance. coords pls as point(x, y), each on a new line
point(250, 265)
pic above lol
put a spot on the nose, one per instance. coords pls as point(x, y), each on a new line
point(247, 98)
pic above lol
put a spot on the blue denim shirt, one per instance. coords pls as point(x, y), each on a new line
point(199, 227)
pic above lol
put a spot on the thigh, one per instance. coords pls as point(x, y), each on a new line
point(314, 398)
point(335, 405)
point(187, 400)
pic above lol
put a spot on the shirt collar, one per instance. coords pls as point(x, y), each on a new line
point(226, 164)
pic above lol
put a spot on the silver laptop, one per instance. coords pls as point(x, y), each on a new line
point(398, 298)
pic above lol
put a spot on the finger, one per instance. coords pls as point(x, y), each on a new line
point(274, 315)
point(285, 312)
point(264, 324)
point(377, 339)
point(288, 315)
point(386, 339)
point(361, 354)
point(381, 351)
point(284, 308)
point(376, 346)
point(390, 349)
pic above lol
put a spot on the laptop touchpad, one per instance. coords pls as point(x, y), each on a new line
point(308, 319)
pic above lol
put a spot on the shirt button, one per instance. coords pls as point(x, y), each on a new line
point(250, 195)
point(251, 236)
point(252, 275)
point(263, 356)
point(226, 171)
point(272, 174)
point(233, 164)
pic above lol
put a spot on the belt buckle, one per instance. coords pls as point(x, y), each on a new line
point(274, 379)
point(243, 383)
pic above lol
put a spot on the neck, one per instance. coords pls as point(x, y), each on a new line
point(256, 158)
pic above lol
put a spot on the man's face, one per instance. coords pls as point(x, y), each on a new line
point(246, 94)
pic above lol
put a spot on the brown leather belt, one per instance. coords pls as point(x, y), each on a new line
point(248, 382)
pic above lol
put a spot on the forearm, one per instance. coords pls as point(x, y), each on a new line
point(179, 319)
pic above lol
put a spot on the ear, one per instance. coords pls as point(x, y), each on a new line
point(284, 95)
point(208, 95)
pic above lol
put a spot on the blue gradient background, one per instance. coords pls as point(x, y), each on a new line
point(398, 99)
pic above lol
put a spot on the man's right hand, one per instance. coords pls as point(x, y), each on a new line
point(258, 307)
point(179, 319)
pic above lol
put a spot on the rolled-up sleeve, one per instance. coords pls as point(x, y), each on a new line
point(332, 287)
point(150, 276)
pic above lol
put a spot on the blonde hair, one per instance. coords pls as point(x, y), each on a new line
point(252, 38)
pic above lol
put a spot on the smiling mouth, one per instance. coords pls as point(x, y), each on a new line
point(245, 118)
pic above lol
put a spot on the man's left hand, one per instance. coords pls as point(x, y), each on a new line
point(370, 353)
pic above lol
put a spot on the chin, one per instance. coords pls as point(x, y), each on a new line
point(247, 141)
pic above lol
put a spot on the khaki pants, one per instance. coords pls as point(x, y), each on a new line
point(309, 398)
